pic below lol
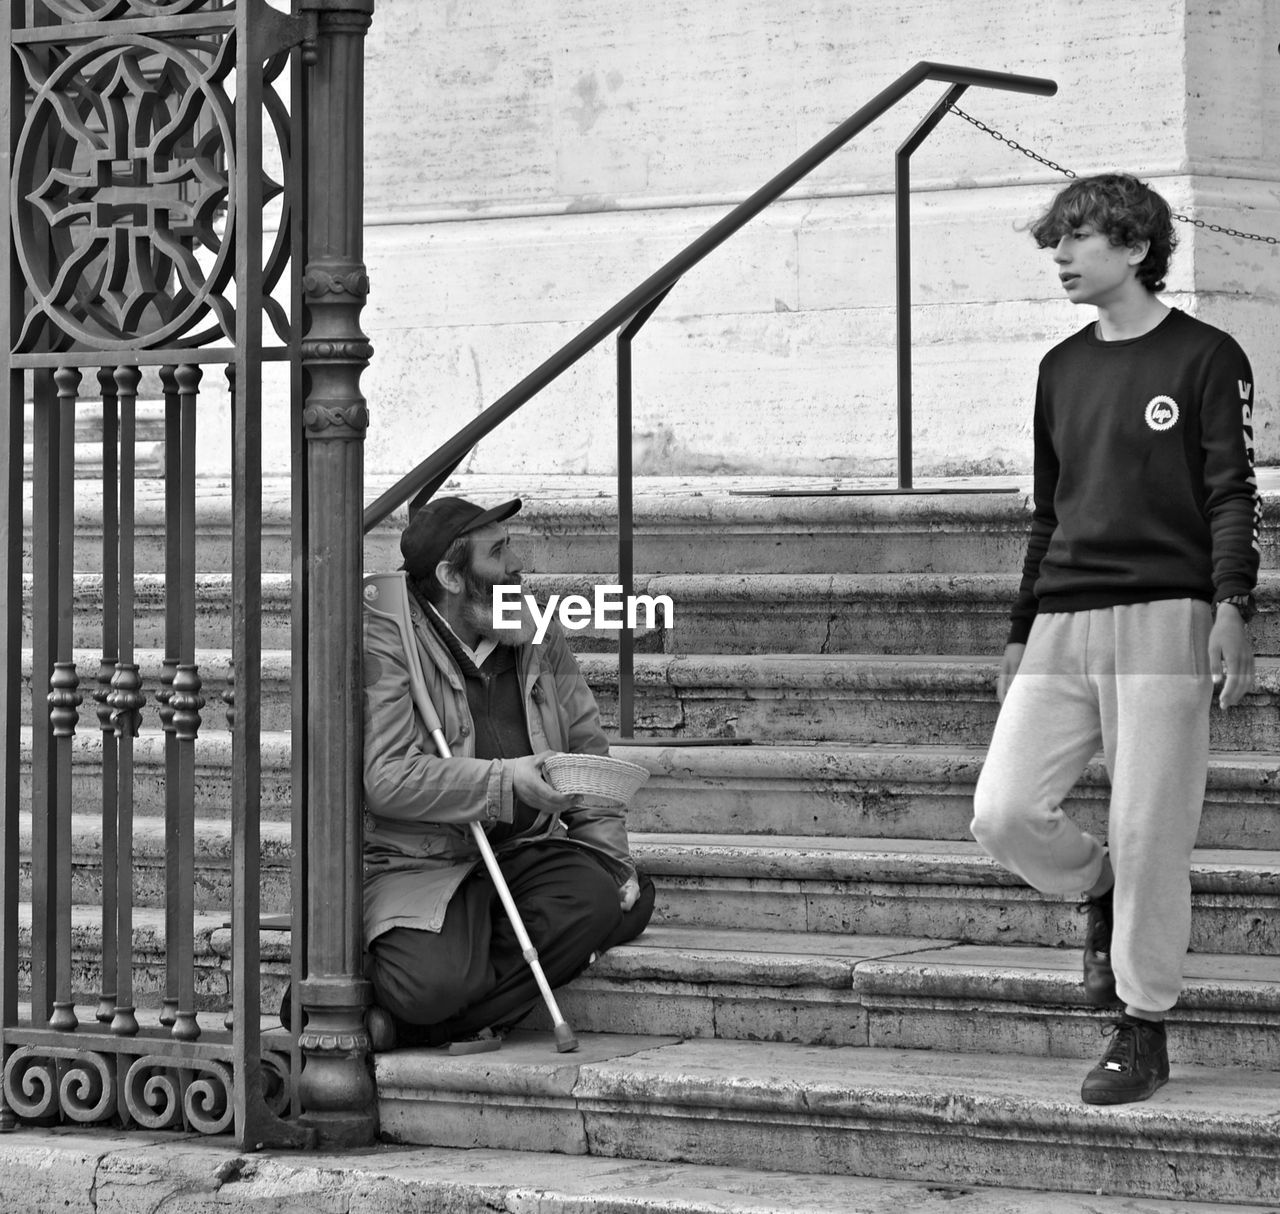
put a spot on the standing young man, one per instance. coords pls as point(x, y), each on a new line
point(1135, 596)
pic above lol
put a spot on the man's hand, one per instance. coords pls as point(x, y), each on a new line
point(533, 789)
point(628, 892)
point(1009, 664)
point(1230, 655)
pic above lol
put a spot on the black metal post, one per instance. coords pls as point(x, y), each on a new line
point(902, 234)
point(626, 517)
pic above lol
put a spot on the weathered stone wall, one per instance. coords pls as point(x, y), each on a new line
point(528, 164)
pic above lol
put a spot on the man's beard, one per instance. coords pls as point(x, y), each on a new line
point(477, 610)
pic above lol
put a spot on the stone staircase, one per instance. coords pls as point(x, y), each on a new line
point(837, 981)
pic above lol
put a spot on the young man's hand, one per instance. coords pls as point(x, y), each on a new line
point(1009, 664)
point(533, 790)
point(1230, 655)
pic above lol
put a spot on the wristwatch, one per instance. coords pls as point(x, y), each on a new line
point(1243, 603)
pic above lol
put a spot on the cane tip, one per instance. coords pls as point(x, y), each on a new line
point(566, 1042)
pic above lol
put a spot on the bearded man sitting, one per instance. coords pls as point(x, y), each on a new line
point(443, 959)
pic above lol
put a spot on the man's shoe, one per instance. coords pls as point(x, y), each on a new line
point(478, 1043)
point(1135, 1065)
point(1099, 977)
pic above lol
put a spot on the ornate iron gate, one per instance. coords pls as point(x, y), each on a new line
point(156, 187)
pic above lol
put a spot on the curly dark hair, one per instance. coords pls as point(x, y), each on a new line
point(1125, 210)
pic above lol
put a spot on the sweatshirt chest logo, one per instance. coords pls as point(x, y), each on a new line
point(1162, 413)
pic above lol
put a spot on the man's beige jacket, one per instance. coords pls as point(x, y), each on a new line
point(418, 846)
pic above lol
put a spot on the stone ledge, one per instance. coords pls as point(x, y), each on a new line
point(904, 860)
point(722, 885)
point(761, 613)
point(148, 957)
point(924, 1115)
point(861, 698)
point(833, 789)
point(82, 1172)
point(903, 992)
point(820, 789)
point(697, 525)
point(213, 773)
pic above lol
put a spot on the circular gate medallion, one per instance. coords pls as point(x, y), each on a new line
point(121, 169)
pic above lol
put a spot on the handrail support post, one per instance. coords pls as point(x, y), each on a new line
point(902, 243)
point(626, 515)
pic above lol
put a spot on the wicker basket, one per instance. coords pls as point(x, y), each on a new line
point(597, 779)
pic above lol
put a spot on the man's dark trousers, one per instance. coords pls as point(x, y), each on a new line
point(471, 975)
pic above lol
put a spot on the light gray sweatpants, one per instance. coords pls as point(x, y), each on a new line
point(1136, 681)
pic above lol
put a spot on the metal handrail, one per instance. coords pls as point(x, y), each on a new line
point(447, 457)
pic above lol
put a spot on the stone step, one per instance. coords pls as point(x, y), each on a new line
point(922, 1115)
point(743, 614)
point(761, 614)
point(148, 451)
point(148, 459)
point(815, 789)
point(789, 940)
point(569, 524)
point(761, 525)
point(149, 952)
point(700, 525)
point(861, 698)
point(814, 988)
point(148, 412)
point(710, 613)
point(734, 525)
point(834, 789)
point(912, 887)
point(213, 611)
point(877, 886)
point(831, 988)
point(213, 526)
point(911, 613)
point(123, 1172)
point(904, 992)
point(212, 774)
point(212, 876)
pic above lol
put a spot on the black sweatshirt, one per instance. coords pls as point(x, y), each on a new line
point(1144, 481)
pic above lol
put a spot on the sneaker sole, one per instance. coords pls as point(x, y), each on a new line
point(481, 1045)
point(1105, 1097)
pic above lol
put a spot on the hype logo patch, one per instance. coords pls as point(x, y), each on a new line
point(1162, 413)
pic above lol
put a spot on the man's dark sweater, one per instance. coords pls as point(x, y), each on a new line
point(497, 712)
point(1144, 483)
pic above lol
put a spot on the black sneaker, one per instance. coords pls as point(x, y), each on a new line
point(1135, 1065)
point(1099, 977)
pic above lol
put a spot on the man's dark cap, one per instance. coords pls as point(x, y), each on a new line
point(435, 525)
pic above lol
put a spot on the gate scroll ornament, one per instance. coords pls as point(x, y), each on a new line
point(145, 139)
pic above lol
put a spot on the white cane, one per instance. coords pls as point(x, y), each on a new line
point(387, 595)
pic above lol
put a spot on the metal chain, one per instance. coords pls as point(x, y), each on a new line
point(1057, 168)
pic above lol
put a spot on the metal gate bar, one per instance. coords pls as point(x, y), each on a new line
point(63, 694)
point(110, 655)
